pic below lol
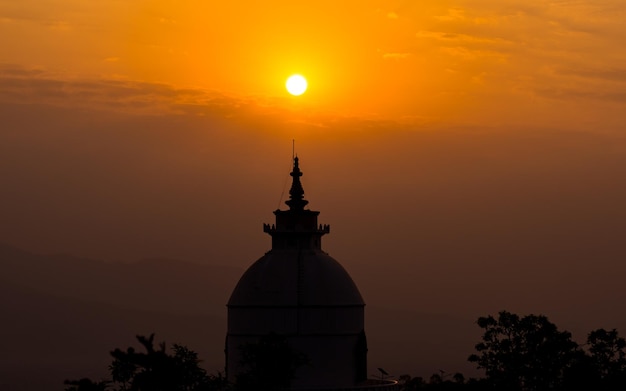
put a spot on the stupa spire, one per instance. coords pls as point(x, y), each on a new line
point(296, 201)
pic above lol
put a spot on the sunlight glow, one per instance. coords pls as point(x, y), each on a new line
point(296, 85)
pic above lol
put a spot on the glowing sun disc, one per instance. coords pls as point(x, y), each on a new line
point(296, 85)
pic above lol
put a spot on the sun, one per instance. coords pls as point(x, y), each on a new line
point(296, 85)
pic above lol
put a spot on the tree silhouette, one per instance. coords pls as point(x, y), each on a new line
point(154, 370)
point(525, 354)
point(85, 384)
point(269, 364)
point(608, 357)
point(408, 383)
point(607, 351)
point(517, 353)
point(458, 378)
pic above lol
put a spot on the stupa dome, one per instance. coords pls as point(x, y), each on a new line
point(314, 278)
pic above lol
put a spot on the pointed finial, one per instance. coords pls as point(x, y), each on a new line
point(296, 199)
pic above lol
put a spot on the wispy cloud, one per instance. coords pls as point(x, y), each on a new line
point(612, 74)
point(453, 14)
point(616, 96)
point(461, 38)
point(471, 54)
point(396, 56)
point(24, 85)
point(20, 85)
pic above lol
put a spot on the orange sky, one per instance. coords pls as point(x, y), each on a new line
point(162, 116)
point(470, 152)
point(489, 62)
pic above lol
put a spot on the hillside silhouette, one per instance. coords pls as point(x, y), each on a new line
point(62, 312)
point(149, 284)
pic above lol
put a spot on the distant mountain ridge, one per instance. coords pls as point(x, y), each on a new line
point(150, 284)
point(62, 314)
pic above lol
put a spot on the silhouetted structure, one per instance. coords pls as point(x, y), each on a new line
point(298, 291)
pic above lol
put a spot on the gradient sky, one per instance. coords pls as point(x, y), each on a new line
point(472, 153)
point(488, 62)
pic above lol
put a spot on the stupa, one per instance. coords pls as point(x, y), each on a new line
point(299, 292)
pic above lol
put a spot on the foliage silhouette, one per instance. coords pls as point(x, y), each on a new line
point(269, 364)
point(458, 378)
point(608, 357)
point(154, 370)
point(86, 384)
point(607, 351)
point(530, 354)
point(438, 383)
point(527, 353)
